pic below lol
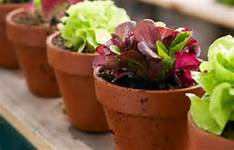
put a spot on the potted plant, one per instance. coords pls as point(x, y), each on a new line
point(227, 2)
point(71, 52)
point(7, 54)
point(27, 29)
point(212, 115)
point(141, 77)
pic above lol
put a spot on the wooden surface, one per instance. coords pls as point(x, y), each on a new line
point(205, 9)
point(42, 121)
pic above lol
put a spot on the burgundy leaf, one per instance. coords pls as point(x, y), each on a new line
point(155, 68)
point(106, 62)
point(186, 61)
point(144, 49)
point(29, 6)
point(192, 47)
point(103, 50)
point(114, 41)
point(145, 31)
point(135, 62)
point(184, 78)
point(123, 30)
point(48, 5)
point(167, 35)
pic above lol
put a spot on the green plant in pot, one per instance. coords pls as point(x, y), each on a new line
point(141, 77)
point(7, 55)
point(71, 51)
point(212, 115)
point(27, 30)
point(227, 2)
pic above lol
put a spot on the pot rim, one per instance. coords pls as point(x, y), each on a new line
point(49, 42)
point(193, 124)
point(12, 14)
point(142, 90)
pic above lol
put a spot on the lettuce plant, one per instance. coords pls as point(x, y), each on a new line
point(215, 109)
point(89, 24)
point(228, 2)
point(42, 11)
point(13, 1)
point(149, 55)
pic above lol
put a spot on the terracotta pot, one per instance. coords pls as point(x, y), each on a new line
point(7, 54)
point(146, 120)
point(202, 140)
point(74, 74)
point(30, 45)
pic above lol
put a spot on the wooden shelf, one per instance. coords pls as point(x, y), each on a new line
point(208, 10)
point(42, 121)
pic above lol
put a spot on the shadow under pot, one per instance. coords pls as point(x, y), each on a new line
point(202, 140)
point(29, 42)
point(8, 58)
point(74, 74)
point(143, 119)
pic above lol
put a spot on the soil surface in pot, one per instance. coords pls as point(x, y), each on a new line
point(34, 19)
point(127, 82)
point(29, 19)
point(60, 42)
point(229, 131)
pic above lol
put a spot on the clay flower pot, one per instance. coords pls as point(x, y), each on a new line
point(141, 119)
point(202, 140)
point(74, 75)
point(30, 45)
point(7, 54)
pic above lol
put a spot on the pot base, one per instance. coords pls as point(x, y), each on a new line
point(39, 75)
point(84, 112)
point(147, 133)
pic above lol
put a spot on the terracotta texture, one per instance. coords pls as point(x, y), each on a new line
point(30, 45)
point(202, 140)
point(146, 120)
point(7, 54)
point(74, 74)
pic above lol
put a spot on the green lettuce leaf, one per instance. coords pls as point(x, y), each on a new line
point(90, 23)
point(201, 114)
point(213, 111)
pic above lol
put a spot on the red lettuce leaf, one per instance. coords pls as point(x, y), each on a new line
point(145, 50)
point(185, 63)
point(137, 58)
point(148, 32)
point(123, 30)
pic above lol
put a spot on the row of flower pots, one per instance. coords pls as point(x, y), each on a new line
point(133, 82)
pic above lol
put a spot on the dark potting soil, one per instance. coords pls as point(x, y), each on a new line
point(29, 19)
point(59, 41)
point(139, 83)
point(229, 131)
